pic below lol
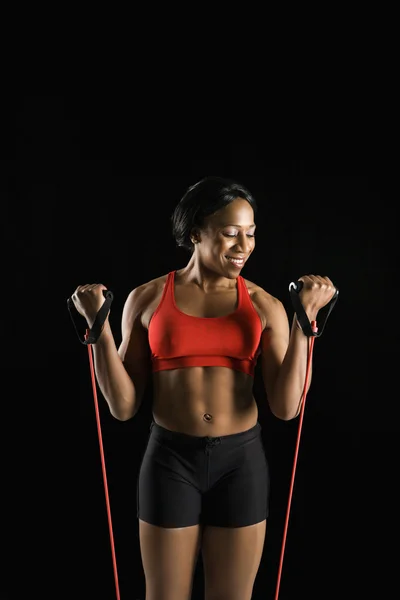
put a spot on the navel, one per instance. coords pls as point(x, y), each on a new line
point(207, 417)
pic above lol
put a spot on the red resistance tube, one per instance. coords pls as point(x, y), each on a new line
point(103, 465)
point(303, 403)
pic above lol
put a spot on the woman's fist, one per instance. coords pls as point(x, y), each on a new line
point(88, 299)
point(316, 292)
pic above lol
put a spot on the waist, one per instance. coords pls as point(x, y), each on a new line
point(161, 434)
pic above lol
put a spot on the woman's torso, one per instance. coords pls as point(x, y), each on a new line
point(185, 398)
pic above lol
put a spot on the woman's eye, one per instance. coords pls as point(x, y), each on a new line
point(251, 235)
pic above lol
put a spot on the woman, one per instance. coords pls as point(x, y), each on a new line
point(200, 330)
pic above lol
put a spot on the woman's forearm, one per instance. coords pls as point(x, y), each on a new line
point(114, 382)
point(289, 387)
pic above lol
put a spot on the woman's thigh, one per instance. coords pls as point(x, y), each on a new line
point(169, 558)
point(231, 559)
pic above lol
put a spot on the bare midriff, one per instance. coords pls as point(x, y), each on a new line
point(204, 401)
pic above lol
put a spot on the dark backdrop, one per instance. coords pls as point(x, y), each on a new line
point(87, 199)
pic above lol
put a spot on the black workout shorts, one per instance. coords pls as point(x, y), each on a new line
point(187, 480)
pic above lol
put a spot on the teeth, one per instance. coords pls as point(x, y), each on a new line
point(238, 261)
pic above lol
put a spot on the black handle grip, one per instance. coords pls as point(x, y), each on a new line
point(296, 286)
point(106, 293)
point(101, 316)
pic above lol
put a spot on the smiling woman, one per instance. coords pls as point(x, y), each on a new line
point(199, 332)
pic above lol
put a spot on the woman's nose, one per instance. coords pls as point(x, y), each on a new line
point(244, 243)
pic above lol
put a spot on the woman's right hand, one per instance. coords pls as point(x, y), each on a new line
point(88, 299)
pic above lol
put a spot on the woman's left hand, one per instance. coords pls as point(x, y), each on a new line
point(317, 292)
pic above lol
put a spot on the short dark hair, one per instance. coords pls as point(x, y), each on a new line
point(201, 200)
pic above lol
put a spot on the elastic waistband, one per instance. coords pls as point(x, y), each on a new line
point(162, 434)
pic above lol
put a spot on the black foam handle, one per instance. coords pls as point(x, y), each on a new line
point(294, 288)
point(101, 316)
point(106, 293)
point(297, 286)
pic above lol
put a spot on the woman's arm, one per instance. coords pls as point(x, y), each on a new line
point(122, 374)
point(285, 353)
point(284, 363)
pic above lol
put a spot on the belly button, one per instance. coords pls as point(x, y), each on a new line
point(207, 417)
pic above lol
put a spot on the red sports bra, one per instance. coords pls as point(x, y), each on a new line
point(178, 340)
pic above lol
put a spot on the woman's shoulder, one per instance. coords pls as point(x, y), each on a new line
point(256, 290)
point(261, 298)
point(150, 288)
point(145, 294)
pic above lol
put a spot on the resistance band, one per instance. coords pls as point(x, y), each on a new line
point(310, 329)
point(91, 337)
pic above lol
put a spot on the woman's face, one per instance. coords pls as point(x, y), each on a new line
point(227, 239)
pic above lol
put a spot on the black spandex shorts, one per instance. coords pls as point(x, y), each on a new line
point(187, 480)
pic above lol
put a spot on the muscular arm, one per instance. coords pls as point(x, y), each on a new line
point(122, 374)
point(284, 361)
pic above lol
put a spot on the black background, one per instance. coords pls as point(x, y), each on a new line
point(87, 194)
